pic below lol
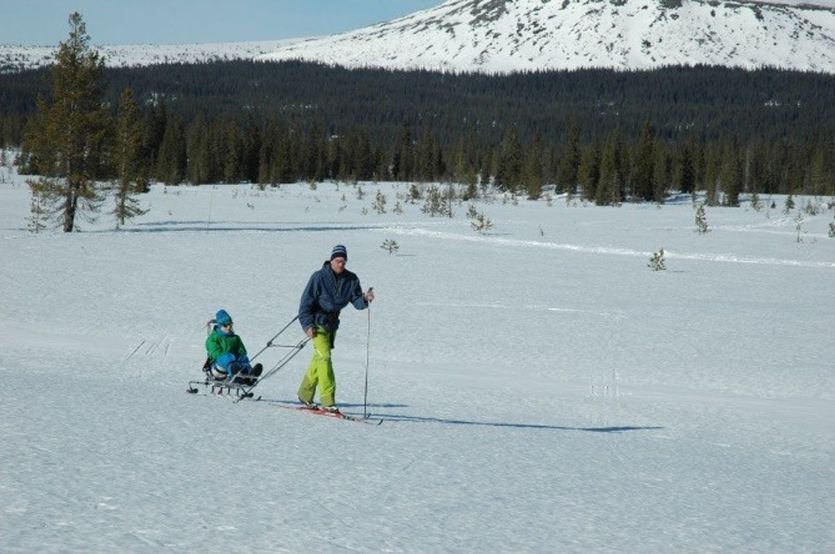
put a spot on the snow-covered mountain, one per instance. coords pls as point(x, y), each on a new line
point(17, 58)
point(513, 35)
point(499, 36)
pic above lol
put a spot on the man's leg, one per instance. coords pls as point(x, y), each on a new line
point(322, 365)
point(320, 371)
point(307, 388)
point(327, 380)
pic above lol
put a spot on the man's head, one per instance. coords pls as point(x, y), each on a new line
point(339, 256)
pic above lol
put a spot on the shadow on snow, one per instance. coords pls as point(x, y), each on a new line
point(424, 419)
point(421, 419)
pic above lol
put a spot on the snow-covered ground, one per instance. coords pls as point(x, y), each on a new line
point(542, 389)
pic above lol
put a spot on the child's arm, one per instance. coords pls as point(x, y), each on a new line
point(213, 347)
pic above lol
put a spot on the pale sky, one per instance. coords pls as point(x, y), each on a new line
point(44, 22)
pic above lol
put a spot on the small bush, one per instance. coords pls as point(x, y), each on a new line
point(481, 223)
point(379, 203)
point(390, 246)
point(656, 262)
point(701, 221)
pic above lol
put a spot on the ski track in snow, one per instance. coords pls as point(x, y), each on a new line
point(514, 243)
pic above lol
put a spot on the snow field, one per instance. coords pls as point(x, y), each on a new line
point(542, 389)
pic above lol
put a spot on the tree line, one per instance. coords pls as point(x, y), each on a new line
point(610, 136)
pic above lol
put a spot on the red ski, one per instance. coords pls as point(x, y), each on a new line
point(317, 410)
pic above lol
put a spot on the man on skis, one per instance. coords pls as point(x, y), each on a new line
point(329, 290)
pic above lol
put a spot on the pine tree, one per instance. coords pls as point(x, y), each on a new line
point(701, 220)
point(795, 171)
point(217, 150)
point(481, 223)
point(437, 203)
point(363, 157)
point(756, 203)
point(588, 174)
point(171, 158)
point(465, 166)
point(661, 174)
point(424, 157)
point(712, 161)
point(698, 155)
point(686, 171)
point(42, 192)
point(438, 163)
point(463, 171)
point(155, 121)
point(199, 164)
point(732, 174)
point(642, 187)
point(251, 147)
point(379, 203)
point(265, 155)
point(336, 159)
point(127, 156)
point(233, 152)
point(390, 246)
point(656, 261)
point(69, 133)
point(789, 205)
point(313, 159)
point(319, 153)
point(509, 168)
point(533, 172)
point(570, 160)
point(403, 156)
point(288, 157)
point(820, 177)
point(610, 186)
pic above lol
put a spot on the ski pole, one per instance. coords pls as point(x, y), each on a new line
point(367, 350)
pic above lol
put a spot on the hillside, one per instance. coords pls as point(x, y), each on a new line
point(500, 36)
point(530, 35)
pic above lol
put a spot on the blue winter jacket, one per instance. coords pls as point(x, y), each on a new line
point(326, 294)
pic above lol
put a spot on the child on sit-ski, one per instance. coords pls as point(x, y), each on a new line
point(227, 353)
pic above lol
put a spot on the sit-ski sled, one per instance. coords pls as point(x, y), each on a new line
point(240, 385)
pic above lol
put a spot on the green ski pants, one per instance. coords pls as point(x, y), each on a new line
point(320, 371)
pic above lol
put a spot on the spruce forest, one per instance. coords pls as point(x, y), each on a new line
point(610, 136)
